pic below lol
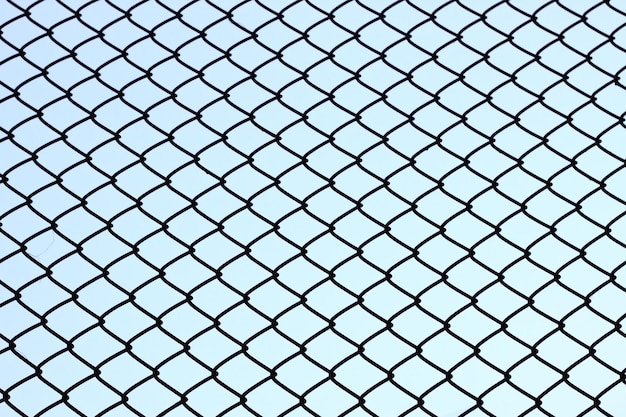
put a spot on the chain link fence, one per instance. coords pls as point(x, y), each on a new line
point(312, 208)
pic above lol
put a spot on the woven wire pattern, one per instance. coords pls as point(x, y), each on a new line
point(312, 208)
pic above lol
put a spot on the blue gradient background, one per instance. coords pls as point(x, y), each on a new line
point(233, 140)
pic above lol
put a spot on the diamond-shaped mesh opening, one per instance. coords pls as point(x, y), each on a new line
point(312, 208)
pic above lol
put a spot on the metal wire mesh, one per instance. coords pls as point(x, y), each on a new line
point(312, 208)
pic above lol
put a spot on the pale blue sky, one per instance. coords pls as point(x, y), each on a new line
point(384, 183)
